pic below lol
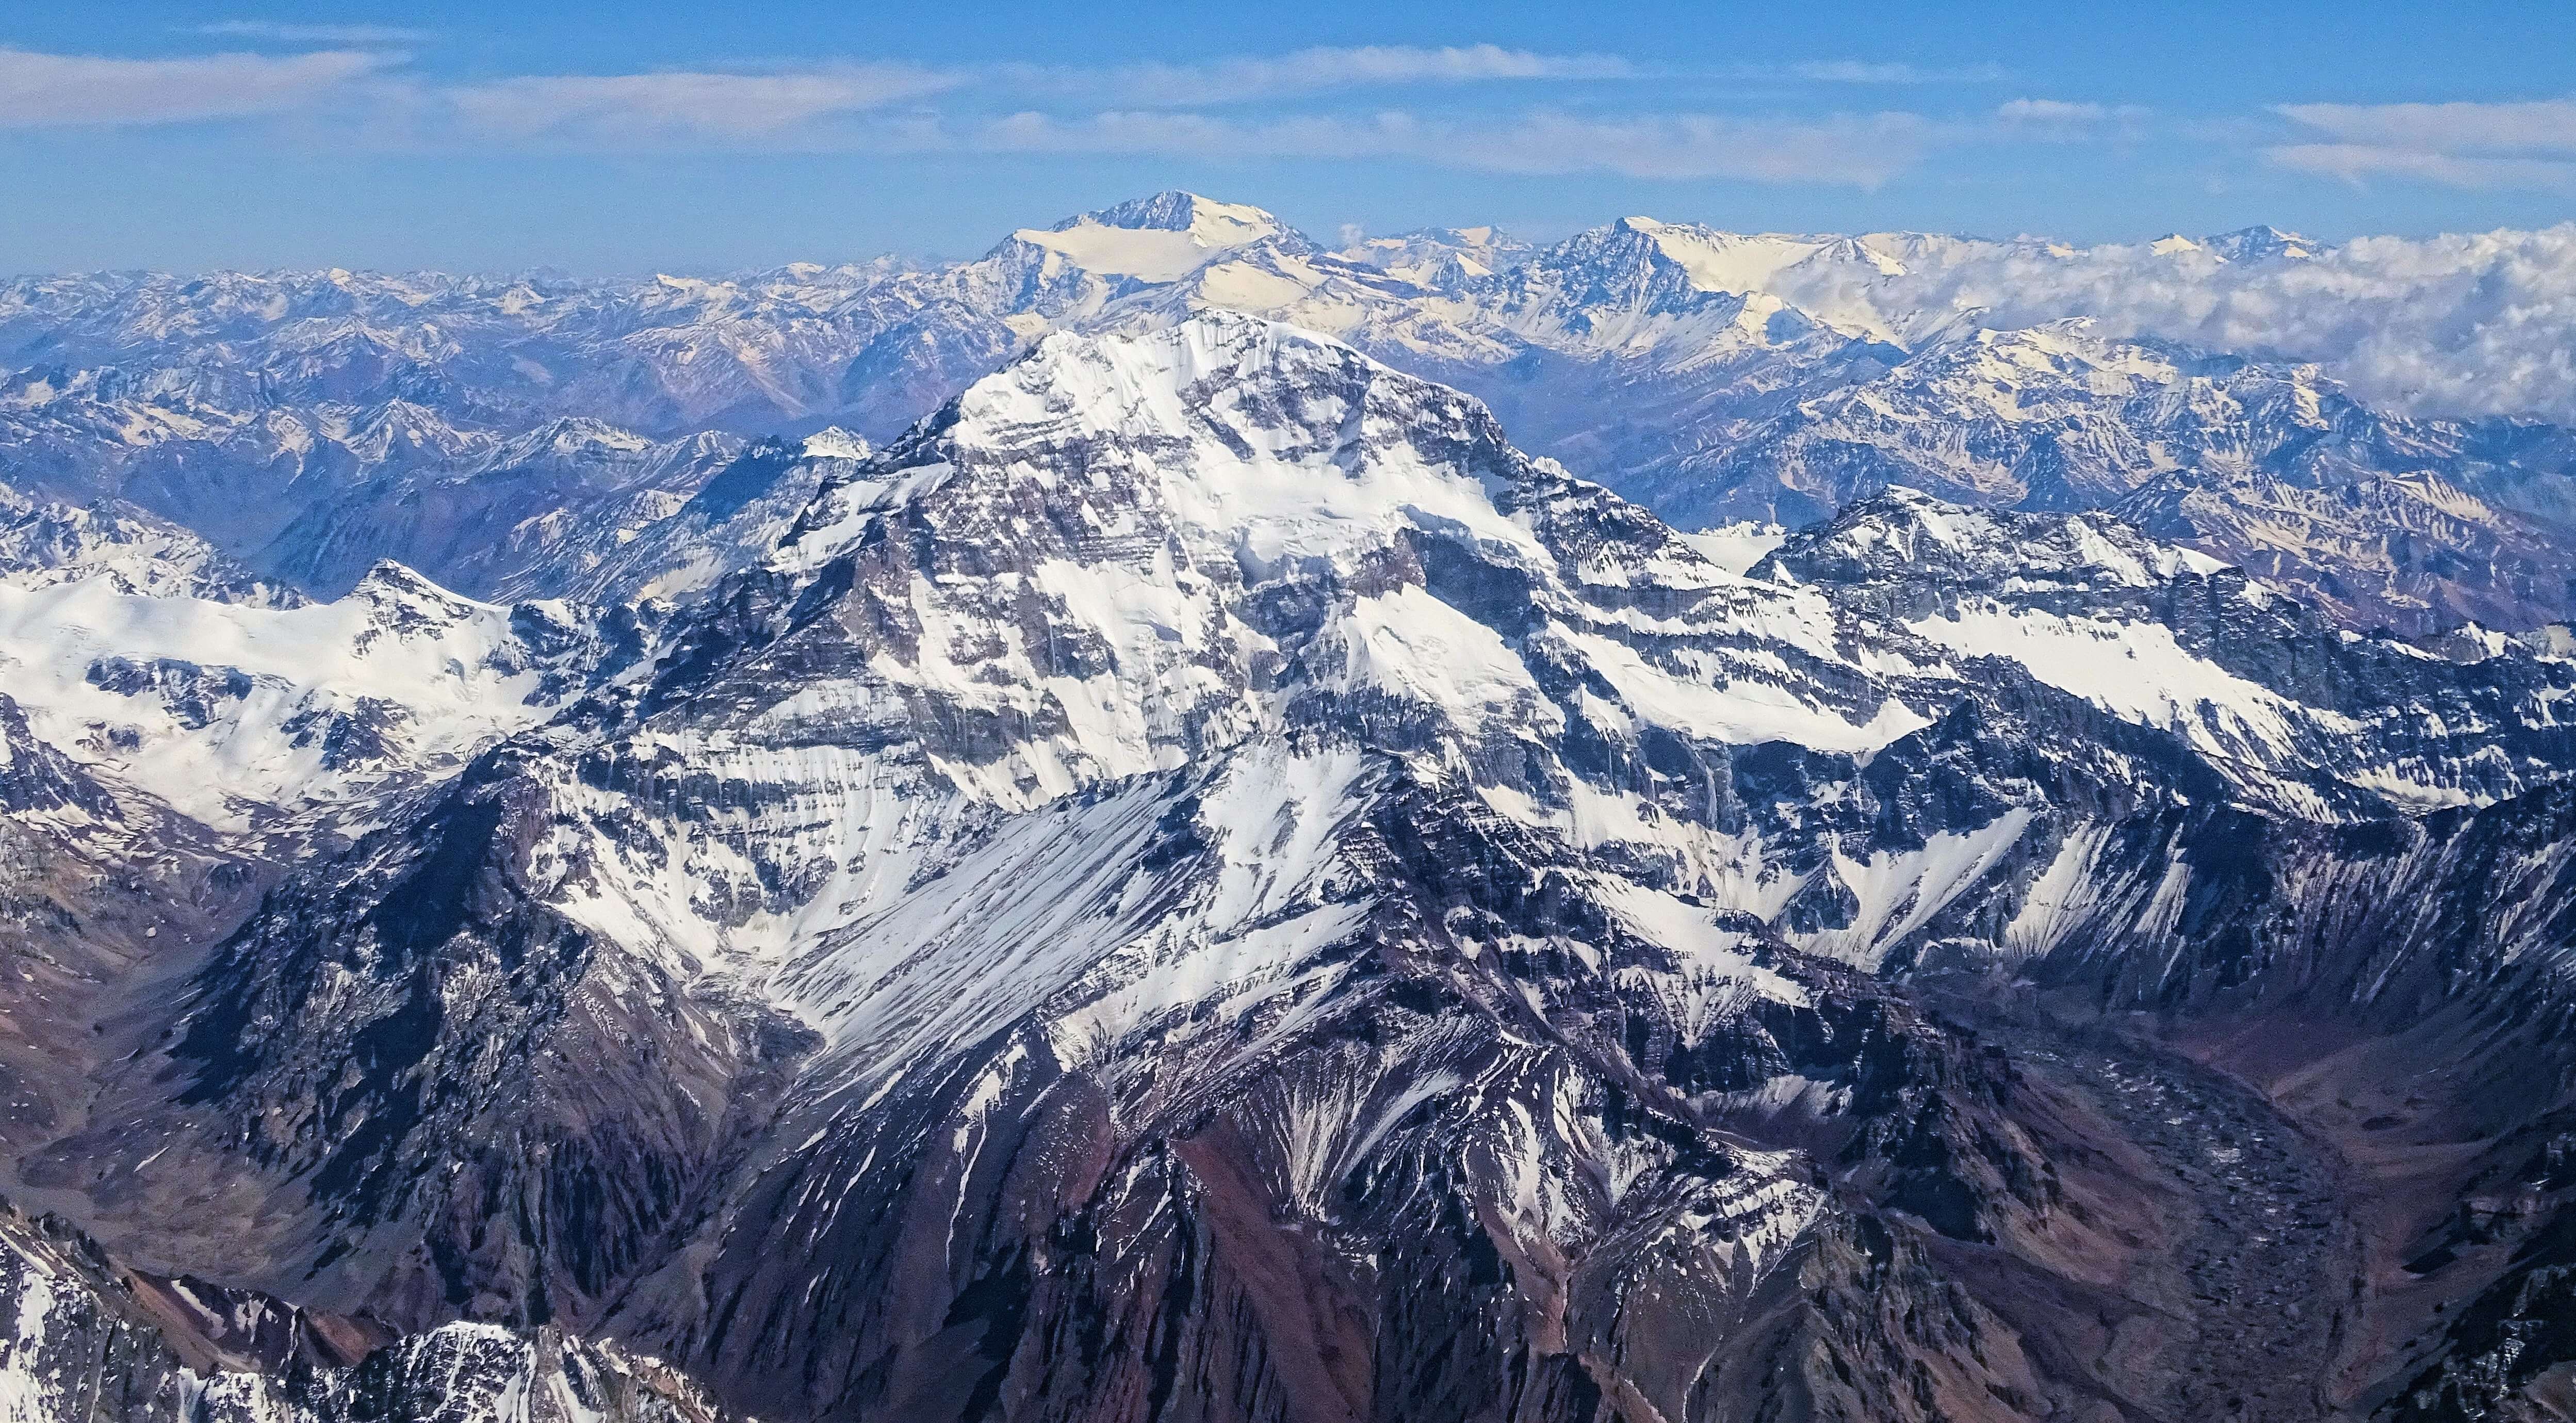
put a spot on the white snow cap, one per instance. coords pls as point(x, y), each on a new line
point(1157, 239)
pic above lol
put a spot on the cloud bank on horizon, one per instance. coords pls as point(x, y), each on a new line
point(1619, 115)
point(2462, 324)
point(457, 134)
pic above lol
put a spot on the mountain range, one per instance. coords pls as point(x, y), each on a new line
point(311, 423)
point(1172, 824)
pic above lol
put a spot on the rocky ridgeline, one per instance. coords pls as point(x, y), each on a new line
point(1202, 880)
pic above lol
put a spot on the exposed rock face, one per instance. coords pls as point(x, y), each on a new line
point(2378, 520)
point(1202, 882)
point(94, 1338)
point(532, 516)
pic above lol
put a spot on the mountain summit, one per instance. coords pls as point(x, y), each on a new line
point(1171, 824)
point(1201, 870)
point(1157, 239)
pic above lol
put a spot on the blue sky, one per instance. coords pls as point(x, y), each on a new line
point(697, 137)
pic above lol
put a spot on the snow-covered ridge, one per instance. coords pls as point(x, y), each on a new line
point(1224, 573)
point(232, 711)
point(1714, 375)
point(1156, 239)
point(1205, 773)
point(44, 542)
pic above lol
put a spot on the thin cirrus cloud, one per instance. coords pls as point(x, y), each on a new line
point(1860, 71)
point(1315, 70)
point(60, 90)
point(1168, 109)
point(2528, 144)
point(785, 104)
point(281, 33)
point(1156, 110)
point(685, 105)
point(2051, 111)
point(1859, 151)
point(2066, 120)
point(692, 106)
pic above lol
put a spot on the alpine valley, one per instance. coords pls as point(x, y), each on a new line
point(1169, 825)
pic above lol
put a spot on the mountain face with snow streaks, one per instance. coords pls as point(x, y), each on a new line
point(1201, 877)
point(1084, 835)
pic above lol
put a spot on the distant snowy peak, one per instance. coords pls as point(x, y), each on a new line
point(2262, 243)
point(1753, 262)
point(1904, 536)
point(834, 442)
point(399, 430)
point(572, 437)
point(2246, 244)
point(235, 713)
point(44, 542)
point(1158, 239)
point(1174, 210)
point(1440, 258)
point(1598, 280)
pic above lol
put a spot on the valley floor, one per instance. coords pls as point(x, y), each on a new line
point(2249, 1298)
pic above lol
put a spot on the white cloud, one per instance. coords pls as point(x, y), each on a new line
point(2064, 120)
point(792, 107)
point(2473, 324)
point(1860, 71)
point(2357, 162)
point(316, 34)
point(2547, 125)
point(2529, 144)
point(1855, 150)
point(619, 108)
point(53, 90)
point(1313, 70)
point(2050, 111)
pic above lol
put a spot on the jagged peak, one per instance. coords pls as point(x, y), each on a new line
point(833, 442)
point(398, 413)
point(1902, 534)
point(1178, 210)
point(389, 581)
point(1140, 381)
point(1434, 253)
point(1715, 260)
point(2260, 242)
point(1246, 421)
point(1156, 239)
point(570, 434)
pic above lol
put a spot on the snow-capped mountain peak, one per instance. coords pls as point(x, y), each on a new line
point(1743, 263)
point(1202, 832)
point(1439, 259)
point(2261, 243)
point(1156, 239)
